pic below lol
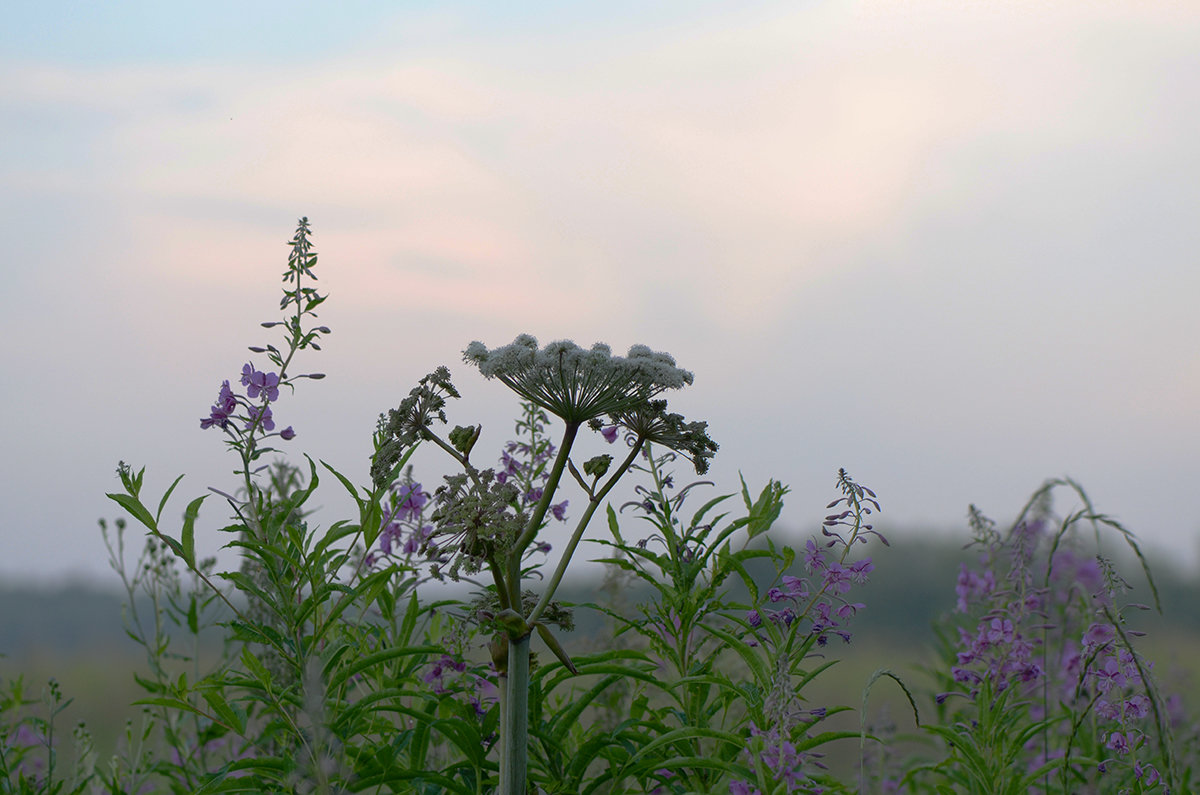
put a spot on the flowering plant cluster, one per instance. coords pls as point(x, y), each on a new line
point(1046, 690)
point(346, 664)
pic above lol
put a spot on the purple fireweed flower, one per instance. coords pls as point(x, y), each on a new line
point(1071, 659)
point(785, 616)
point(837, 578)
point(1029, 672)
point(972, 586)
point(860, 569)
point(1107, 710)
point(781, 757)
point(1110, 676)
point(216, 418)
point(257, 382)
point(560, 510)
point(1117, 742)
point(221, 411)
point(965, 676)
point(1000, 630)
point(753, 618)
point(609, 433)
point(1098, 635)
point(1129, 666)
point(511, 466)
point(743, 788)
point(412, 544)
point(262, 416)
point(1176, 711)
point(410, 500)
point(226, 399)
point(386, 537)
point(1137, 707)
point(287, 434)
point(437, 672)
point(795, 587)
point(813, 557)
point(849, 609)
point(777, 595)
point(1069, 567)
point(534, 494)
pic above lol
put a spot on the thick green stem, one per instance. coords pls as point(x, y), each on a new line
point(539, 511)
point(514, 736)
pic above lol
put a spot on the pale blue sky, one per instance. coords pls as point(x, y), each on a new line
point(948, 246)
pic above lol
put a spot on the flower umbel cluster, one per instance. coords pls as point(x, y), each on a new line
point(576, 384)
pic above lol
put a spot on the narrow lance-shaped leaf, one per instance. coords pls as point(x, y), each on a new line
point(187, 539)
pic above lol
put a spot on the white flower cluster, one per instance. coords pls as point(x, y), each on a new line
point(578, 384)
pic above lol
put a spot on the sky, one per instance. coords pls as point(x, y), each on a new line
point(947, 246)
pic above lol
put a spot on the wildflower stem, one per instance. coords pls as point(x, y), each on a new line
point(593, 503)
point(539, 511)
point(498, 579)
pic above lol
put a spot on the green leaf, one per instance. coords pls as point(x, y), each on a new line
point(753, 661)
point(568, 719)
point(552, 642)
point(135, 509)
point(346, 482)
point(222, 709)
point(166, 496)
point(372, 520)
point(188, 538)
point(380, 657)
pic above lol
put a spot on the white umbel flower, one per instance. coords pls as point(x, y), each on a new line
point(578, 384)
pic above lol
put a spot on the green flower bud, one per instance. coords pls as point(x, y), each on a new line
point(598, 466)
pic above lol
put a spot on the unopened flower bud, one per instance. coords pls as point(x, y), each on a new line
point(598, 466)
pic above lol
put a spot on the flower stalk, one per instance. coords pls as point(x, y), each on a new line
point(481, 520)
